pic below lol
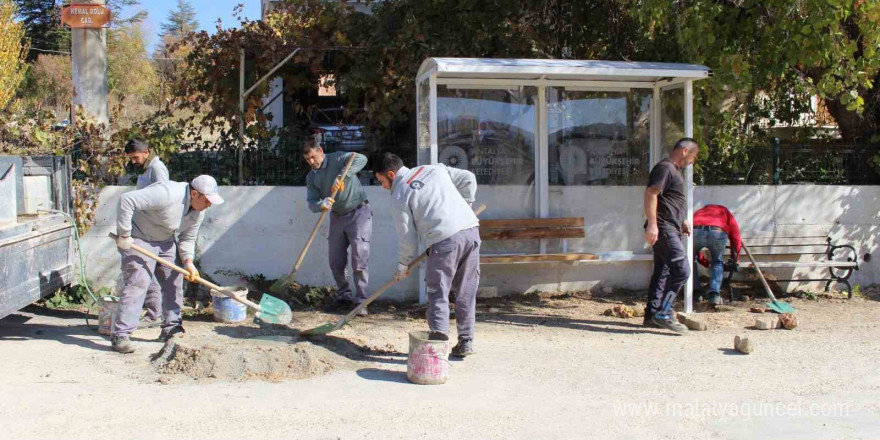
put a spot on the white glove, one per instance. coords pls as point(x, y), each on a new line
point(124, 243)
point(327, 203)
point(193, 272)
point(402, 273)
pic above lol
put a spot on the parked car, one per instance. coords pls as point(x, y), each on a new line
point(334, 131)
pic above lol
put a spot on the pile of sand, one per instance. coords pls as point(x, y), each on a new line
point(243, 353)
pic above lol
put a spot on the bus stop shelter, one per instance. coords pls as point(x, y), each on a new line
point(547, 136)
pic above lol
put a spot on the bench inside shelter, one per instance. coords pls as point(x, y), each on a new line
point(561, 228)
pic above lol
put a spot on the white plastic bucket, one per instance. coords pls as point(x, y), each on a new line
point(227, 309)
point(108, 310)
point(428, 361)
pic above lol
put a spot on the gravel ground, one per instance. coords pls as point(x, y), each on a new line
point(544, 368)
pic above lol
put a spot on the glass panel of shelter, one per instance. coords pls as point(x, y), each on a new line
point(490, 130)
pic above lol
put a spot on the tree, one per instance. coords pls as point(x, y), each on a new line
point(49, 85)
point(12, 52)
point(42, 28)
point(774, 55)
point(173, 47)
point(181, 21)
point(129, 93)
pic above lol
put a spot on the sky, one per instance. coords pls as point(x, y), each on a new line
point(207, 13)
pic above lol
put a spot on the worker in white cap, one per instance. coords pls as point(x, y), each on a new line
point(150, 218)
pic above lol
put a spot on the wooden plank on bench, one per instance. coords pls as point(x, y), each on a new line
point(792, 264)
point(523, 234)
point(535, 258)
point(523, 223)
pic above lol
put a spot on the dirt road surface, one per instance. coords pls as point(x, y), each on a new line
point(549, 368)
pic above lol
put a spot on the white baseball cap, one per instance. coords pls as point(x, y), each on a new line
point(206, 185)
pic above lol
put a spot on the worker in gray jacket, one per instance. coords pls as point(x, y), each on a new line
point(433, 202)
point(150, 218)
point(152, 170)
point(351, 219)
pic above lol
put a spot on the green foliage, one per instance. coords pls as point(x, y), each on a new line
point(74, 297)
point(160, 131)
point(786, 50)
point(13, 49)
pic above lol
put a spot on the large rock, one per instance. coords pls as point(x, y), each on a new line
point(788, 321)
point(743, 345)
point(769, 322)
point(692, 323)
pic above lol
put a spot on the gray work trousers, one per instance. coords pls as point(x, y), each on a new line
point(354, 229)
point(137, 274)
point(454, 263)
point(153, 301)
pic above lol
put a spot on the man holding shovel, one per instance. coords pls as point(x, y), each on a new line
point(351, 219)
point(150, 218)
point(665, 209)
point(433, 202)
point(152, 170)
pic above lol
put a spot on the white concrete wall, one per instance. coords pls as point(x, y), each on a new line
point(261, 230)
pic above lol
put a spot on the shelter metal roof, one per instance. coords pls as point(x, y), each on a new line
point(567, 70)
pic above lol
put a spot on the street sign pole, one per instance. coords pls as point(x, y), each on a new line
point(89, 58)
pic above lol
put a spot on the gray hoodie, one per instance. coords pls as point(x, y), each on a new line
point(156, 172)
point(157, 212)
point(431, 202)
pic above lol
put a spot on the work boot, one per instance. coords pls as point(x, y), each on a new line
point(464, 348)
point(174, 332)
point(122, 344)
point(669, 324)
point(363, 312)
point(715, 299)
point(437, 336)
point(149, 323)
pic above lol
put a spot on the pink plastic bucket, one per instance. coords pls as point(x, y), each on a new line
point(428, 361)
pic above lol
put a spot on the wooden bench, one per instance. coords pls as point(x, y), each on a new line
point(840, 266)
point(534, 229)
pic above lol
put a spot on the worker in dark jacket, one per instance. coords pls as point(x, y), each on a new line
point(351, 220)
point(714, 226)
point(665, 210)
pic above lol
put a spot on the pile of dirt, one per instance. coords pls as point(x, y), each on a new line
point(243, 353)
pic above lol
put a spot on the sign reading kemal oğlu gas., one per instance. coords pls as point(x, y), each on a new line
point(85, 15)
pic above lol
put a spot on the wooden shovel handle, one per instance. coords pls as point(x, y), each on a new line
point(302, 255)
point(199, 280)
point(760, 274)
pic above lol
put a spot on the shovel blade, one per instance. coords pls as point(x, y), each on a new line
point(780, 307)
point(282, 283)
point(274, 310)
point(319, 330)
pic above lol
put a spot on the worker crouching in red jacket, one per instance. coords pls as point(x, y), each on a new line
point(714, 226)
